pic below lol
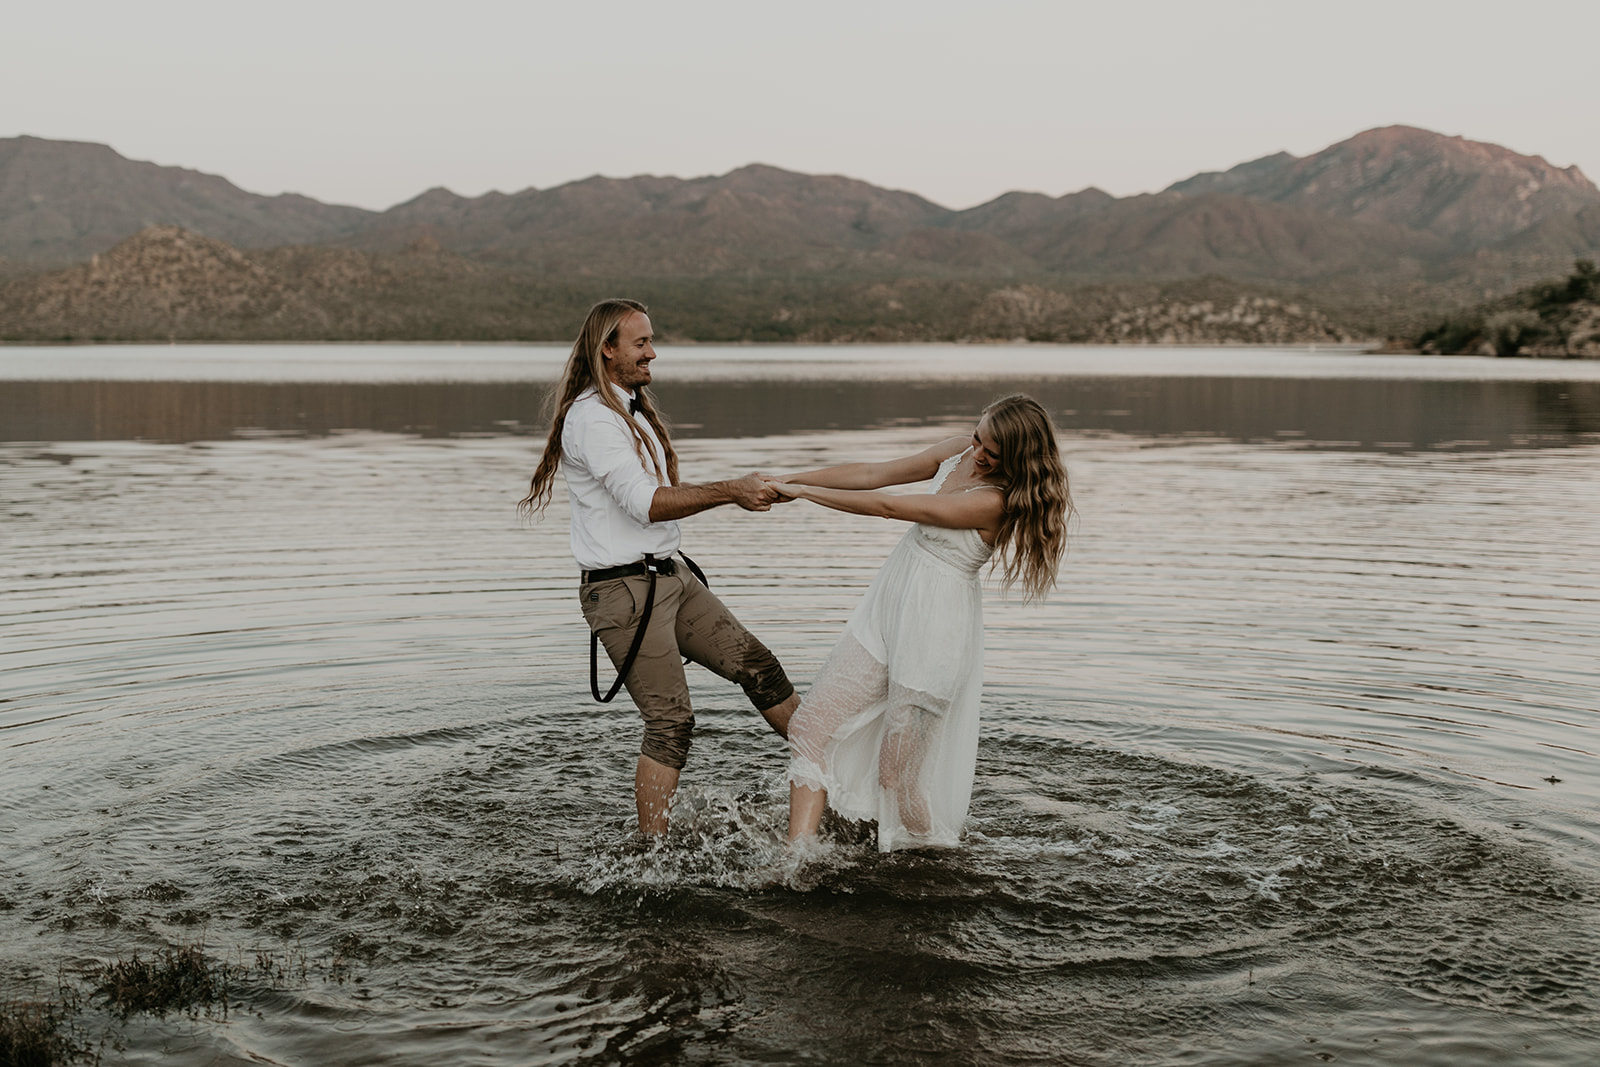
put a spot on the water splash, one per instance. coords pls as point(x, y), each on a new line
point(716, 838)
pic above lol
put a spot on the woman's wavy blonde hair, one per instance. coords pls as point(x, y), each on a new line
point(1033, 531)
point(586, 369)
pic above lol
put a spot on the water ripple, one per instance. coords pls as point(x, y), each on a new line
point(1305, 736)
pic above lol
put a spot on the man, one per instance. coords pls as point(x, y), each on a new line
point(622, 479)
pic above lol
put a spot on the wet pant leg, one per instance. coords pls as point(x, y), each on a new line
point(656, 683)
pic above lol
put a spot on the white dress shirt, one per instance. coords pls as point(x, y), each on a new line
point(610, 487)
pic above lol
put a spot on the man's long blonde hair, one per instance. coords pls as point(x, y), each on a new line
point(586, 369)
point(1033, 531)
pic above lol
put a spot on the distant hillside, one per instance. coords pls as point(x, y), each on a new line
point(1172, 235)
point(765, 219)
point(161, 281)
point(755, 217)
point(1380, 231)
point(63, 201)
point(1557, 236)
point(1468, 193)
point(168, 284)
point(1559, 320)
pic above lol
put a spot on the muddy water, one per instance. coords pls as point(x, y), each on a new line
point(1300, 765)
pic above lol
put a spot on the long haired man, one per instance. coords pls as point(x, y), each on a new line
point(621, 470)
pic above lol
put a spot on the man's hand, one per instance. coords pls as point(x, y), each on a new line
point(753, 493)
point(783, 491)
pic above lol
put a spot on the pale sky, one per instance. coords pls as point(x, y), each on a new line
point(370, 104)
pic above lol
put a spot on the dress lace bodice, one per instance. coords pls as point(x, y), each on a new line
point(962, 549)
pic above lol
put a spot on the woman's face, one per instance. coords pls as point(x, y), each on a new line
point(985, 451)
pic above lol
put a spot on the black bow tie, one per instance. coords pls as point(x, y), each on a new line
point(634, 407)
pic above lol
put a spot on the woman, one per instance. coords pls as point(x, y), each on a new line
point(889, 731)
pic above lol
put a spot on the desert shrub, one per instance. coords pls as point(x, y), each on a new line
point(1584, 282)
point(1453, 336)
point(1508, 331)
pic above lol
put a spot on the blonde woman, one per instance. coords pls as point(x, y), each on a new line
point(889, 730)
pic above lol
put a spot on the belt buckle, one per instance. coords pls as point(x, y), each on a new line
point(657, 566)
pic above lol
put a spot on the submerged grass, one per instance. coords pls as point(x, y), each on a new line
point(48, 1032)
point(37, 1033)
point(173, 979)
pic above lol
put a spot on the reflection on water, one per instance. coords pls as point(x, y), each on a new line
point(1343, 413)
point(1300, 765)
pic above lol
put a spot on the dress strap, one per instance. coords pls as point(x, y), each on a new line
point(948, 465)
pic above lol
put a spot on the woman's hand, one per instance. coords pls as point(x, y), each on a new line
point(785, 490)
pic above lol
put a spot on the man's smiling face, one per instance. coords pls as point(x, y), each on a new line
point(628, 361)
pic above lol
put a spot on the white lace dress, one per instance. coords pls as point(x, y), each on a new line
point(890, 726)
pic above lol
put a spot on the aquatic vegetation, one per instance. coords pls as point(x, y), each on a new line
point(172, 979)
point(44, 1032)
point(30, 1035)
point(41, 1033)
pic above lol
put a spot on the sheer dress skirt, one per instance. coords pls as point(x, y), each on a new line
point(890, 726)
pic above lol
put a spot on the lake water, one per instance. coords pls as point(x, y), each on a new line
point(1300, 765)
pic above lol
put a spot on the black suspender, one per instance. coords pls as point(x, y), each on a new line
point(652, 567)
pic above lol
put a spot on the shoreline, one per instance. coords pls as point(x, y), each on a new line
point(190, 342)
point(516, 364)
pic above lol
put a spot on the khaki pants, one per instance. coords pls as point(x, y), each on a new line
point(687, 621)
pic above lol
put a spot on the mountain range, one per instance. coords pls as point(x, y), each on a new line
point(1391, 216)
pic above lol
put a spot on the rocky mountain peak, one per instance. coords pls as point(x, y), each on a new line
point(1468, 192)
point(1390, 143)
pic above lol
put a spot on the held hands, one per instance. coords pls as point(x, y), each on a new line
point(784, 490)
point(754, 492)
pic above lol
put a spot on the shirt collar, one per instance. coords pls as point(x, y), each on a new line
point(622, 394)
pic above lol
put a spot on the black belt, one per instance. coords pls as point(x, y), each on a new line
point(651, 566)
point(628, 570)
